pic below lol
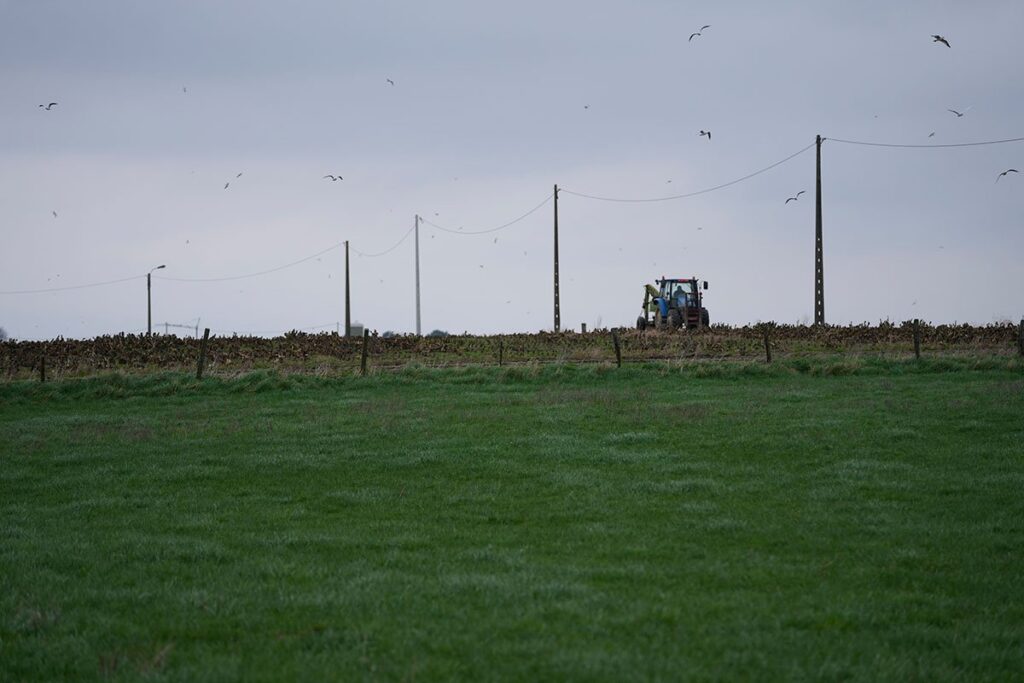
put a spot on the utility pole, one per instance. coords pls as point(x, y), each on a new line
point(149, 300)
point(819, 263)
point(418, 331)
point(348, 299)
point(558, 312)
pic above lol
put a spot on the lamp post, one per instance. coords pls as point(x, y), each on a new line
point(149, 301)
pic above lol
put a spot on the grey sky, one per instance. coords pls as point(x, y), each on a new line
point(492, 105)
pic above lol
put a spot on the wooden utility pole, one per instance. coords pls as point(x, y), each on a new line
point(149, 305)
point(348, 299)
point(418, 331)
point(819, 264)
point(558, 312)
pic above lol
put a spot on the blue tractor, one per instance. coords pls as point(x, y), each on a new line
point(674, 303)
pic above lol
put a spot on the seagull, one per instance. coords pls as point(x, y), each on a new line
point(954, 111)
point(334, 178)
point(47, 106)
point(793, 199)
point(184, 89)
point(693, 35)
point(389, 81)
point(1009, 170)
point(586, 106)
point(226, 184)
point(239, 175)
point(940, 39)
point(705, 132)
point(55, 213)
point(495, 240)
point(932, 134)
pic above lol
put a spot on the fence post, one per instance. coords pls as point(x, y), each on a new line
point(767, 343)
point(501, 352)
point(1020, 337)
point(917, 339)
point(202, 353)
point(583, 328)
point(366, 344)
point(42, 368)
point(618, 351)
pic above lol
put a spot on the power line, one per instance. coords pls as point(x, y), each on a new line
point(64, 289)
point(242, 277)
point(483, 232)
point(389, 249)
point(957, 144)
point(698, 192)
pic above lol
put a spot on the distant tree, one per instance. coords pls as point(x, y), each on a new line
point(438, 333)
point(388, 334)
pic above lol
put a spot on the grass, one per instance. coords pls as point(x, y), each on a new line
point(829, 520)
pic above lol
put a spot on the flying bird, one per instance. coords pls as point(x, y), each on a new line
point(239, 175)
point(705, 132)
point(793, 199)
point(226, 184)
point(698, 33)
point(55, 213)
point(932, 134)
point(954, 111)
point(334, 178)
point(1009, 170)
point(389, 81)
point(47, 106)
point(940, 39)
point(586, 106)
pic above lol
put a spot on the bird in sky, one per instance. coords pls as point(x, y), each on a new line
point(389, 81)
point(184, 89)
point(495, 240)
point(47, 106)
point(705, 132)
point(954, 111)
point(55, 213)
point(334, 178)
point(940, 39)
point(793, 199)
point(698, 33)
point(1009, 170)
point(586, 106)
point(239, 175)
point(226, 184)
point(932, 134)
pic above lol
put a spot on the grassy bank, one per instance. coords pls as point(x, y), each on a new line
point(836, 519)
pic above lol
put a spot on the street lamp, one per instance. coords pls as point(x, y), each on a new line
point(149, 301)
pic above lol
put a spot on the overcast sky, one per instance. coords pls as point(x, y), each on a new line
point(161, 104)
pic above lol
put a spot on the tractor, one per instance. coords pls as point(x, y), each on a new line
point(675, 303)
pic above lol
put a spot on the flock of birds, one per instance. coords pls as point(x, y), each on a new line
point(936, 38)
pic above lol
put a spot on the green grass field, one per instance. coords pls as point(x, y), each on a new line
point(838, 522)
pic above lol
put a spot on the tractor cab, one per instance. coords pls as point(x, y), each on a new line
point(676, 302)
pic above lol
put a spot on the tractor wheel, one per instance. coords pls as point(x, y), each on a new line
point(704, 317)
point(675, 319)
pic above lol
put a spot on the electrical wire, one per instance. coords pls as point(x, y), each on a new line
point(64, 289)
point(484, 232)
point(242, 277)
point(389, 249)
point(698, 192)
point(957, 144)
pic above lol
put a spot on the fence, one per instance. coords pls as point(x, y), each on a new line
point(328, 352)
